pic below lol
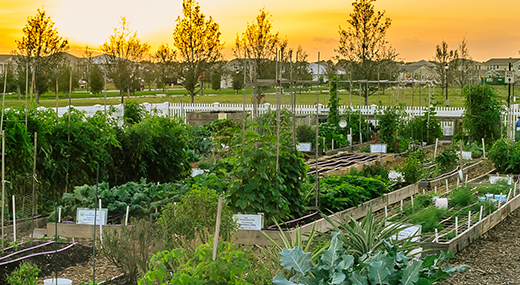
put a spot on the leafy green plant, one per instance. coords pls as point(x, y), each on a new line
point(180, 266)
point(412, 168)
point(430, 218)
point(142, 198)
point(258, 187)
point(462, 197)
point(195, 216)
point(505, 155)
point(305, 133)
point(369, 235)
point(133, 112)
point(384, 266)
point(389, 124)
point(25, 274)
point(447, 160)
point(341, 192)
point(482, 114)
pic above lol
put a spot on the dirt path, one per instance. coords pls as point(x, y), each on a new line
point(494, 258)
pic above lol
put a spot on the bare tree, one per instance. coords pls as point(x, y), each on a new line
point(444, 57)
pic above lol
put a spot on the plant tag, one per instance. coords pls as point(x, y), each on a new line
point(304, 147)
point(86, 216)
point(378, 148)
point(248, 222)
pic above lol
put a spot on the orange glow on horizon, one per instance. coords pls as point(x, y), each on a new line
point(417, 26)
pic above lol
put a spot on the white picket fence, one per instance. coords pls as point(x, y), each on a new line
point(180, 109)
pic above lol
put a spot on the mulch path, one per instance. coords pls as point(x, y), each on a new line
point(494, 257)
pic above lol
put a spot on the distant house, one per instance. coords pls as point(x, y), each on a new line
point(319, 70)
point(5, 60)
point(419, 70)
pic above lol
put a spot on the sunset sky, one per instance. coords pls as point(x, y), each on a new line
point(417, 25)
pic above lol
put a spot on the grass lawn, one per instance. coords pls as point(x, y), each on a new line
point(415, 97)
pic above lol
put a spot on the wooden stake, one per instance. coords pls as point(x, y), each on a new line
point(14, 220)
point(456, 226)
point(126, 216)
point(386, 212)
point(217, 228)
point(100, 224)
point(483, 148)
point(480, 216)
point(435, 151)
point(3, 184)
point(469, 219)
point(401, 205)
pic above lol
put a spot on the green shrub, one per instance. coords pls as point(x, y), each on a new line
point(182, 266)
point(462, 197)
point(412, 168)
point(430, 219)
point(342, 192)
point(447, 160)
point(25, 274)
point(132, 248)
point(305, 133)
point(195, 216)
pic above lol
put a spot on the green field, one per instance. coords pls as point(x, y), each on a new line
point(415, 97)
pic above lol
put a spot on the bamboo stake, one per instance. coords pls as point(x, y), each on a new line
point(126, 216)
point(469, 219)
point(456, 226)
point(14, 220)
point(3, 184)
point(217, 229)
point(3, 100)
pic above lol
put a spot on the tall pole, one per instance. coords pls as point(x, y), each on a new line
point(105, 78)
point(317, 197)
point(293, 102)
point(244, 109)
point(446, 67)
point(3, 183)
point(26, 89)
point(3, 100)
point(278, 99)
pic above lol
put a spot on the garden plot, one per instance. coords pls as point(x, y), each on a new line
point(468, 212)
point(340, 162)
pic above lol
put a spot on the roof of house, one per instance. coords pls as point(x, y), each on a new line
point(500, 61)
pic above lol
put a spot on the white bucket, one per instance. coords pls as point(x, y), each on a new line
point(60, 281)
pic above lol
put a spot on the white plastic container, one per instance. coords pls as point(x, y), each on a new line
point(59, 281)
point(441, 203)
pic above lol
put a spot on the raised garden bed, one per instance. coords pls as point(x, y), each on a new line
point(322, 225)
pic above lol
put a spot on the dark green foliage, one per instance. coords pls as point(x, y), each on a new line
point(25, 274)
point(195, 216)
point(342, 192)
point(305, 133)
point(412, 168)
point(96, 82)
point(131, 249)
point(481, 118)
point(329, 132)
point(430, 219)
point(182, 266)
point(447, 160)
point(386, 265)
point(425, 128)
point(133, 112)
point(333, 116)
point(474, 147)
point(199, 142)
point(215, 80)
point(505, 156)
point(462, 197)
point(256, 185)
point(353, 118)
point(143, 198)
point(155, 149)
point(267, 122)
point(238, 81)
point(389, 123)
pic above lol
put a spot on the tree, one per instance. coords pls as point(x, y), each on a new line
point(96, 80)
point(197, 41)
point(39, 43)
point(164, 60)
point(238, 80)
point(443, 57)
point(258, 46)
point(123, 52)
point(464, 65)
point(482, 114)
point(215, 80)
point(364, 44)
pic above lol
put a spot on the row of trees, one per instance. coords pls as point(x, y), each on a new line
point(197, 51)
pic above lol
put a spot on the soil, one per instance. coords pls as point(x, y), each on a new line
point(493, 258)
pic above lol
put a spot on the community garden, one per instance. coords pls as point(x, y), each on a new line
point(170, 192)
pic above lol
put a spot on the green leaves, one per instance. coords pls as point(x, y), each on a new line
point(297, 259)
point(383, 266)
